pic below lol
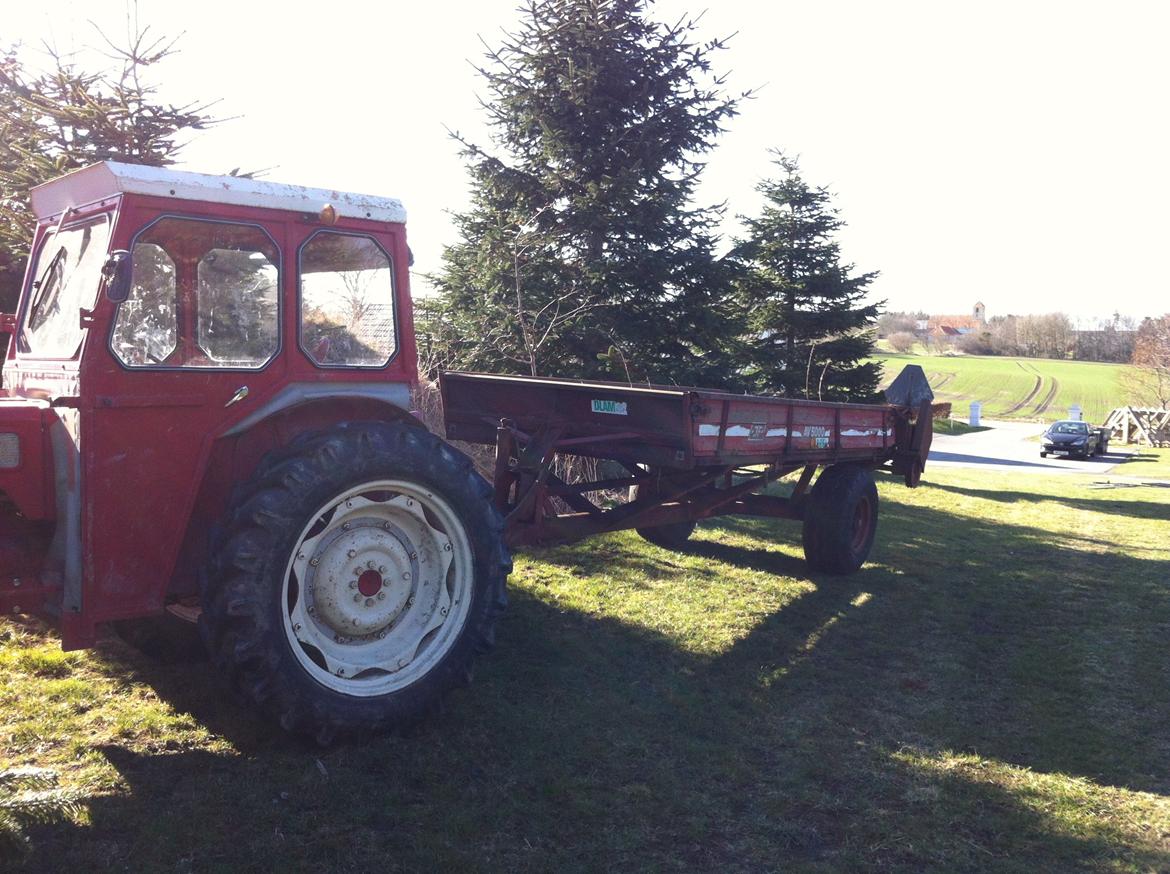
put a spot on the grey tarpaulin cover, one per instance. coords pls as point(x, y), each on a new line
point(910, 388)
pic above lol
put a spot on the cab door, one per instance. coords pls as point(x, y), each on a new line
point(194, 348)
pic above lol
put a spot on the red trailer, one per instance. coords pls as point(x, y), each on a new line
point(688, 454)
point(197, 427)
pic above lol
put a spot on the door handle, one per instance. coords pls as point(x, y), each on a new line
point(241, 393)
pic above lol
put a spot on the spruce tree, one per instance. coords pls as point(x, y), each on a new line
point(56, 121)
point(582, 253)
point(808, 328)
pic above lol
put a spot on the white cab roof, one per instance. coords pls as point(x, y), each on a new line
point(97, 181)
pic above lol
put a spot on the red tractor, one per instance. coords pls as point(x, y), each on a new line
point(206, 419)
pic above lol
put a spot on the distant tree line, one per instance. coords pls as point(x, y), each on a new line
point(1050, 335)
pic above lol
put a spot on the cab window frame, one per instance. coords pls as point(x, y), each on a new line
point(396, 331)
point(205, 368)
point(19, 340)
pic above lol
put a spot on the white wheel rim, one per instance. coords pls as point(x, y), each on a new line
point(378, 588)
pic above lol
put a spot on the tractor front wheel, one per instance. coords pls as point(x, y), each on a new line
point(358, 578)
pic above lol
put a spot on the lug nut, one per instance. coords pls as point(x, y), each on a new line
point(369, 602)
point(382, 569)
point(314, 561)
point(370, 565)
point(353, 584)
point(406, 575)
point(357, 598)
point(352, 553)
point(381, 596)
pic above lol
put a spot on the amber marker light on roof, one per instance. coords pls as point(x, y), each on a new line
point(328, 214)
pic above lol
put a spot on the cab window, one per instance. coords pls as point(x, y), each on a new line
point(203, 294)
point(66, 277)
point(347, 301)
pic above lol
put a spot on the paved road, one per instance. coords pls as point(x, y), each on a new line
point(1007, 447)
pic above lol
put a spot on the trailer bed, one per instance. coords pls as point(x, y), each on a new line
point(667, 426)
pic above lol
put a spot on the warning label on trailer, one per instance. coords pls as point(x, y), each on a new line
point(614, 408)
point(819, 435)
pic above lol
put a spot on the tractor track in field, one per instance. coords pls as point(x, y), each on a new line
point(1031, 395)
point(1048, 398)
point(947, 377)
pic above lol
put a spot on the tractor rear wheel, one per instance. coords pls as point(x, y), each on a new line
point(358, 578)
point(840, 519)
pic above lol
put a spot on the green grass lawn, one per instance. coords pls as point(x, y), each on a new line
point(955, 427)
point(1017, 388)
point(989, 694)
point(1150, 463)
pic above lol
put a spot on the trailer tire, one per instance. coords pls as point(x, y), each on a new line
point(840, 519)
point(356, 580)
point(671, 536)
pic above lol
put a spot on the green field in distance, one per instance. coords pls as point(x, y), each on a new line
point(1017, 388)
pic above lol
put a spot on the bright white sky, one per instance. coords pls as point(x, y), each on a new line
point(1016, 153)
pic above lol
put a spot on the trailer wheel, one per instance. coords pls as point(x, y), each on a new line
point(358, 579)
point(671, 536)
point(840, 519)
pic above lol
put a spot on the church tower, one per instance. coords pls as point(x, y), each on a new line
point(980, 312)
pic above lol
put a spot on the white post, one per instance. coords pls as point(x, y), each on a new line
point(973, 418)
point(1074, 412)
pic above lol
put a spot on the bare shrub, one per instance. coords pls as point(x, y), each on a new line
point(902, 341)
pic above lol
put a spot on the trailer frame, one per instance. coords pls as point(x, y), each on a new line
point(674, 475)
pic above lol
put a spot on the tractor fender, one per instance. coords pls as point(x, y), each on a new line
point(238, 450)
point(393, 394)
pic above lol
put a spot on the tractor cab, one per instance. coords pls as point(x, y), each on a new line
point(173, 328)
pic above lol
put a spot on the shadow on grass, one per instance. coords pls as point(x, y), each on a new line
point(1155, 508)
point(590, 743)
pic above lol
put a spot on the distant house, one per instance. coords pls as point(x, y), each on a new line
point(949, 328)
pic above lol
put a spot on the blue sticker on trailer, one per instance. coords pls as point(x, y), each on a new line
point(613, 408)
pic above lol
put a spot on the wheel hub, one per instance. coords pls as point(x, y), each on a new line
point(362, 579)
point(377, 587)
point(369, 583)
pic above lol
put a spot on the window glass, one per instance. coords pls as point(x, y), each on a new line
point(147, 331)
point(237, 307)
point(347, 301)
point(66, 279)
point(204, 294)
